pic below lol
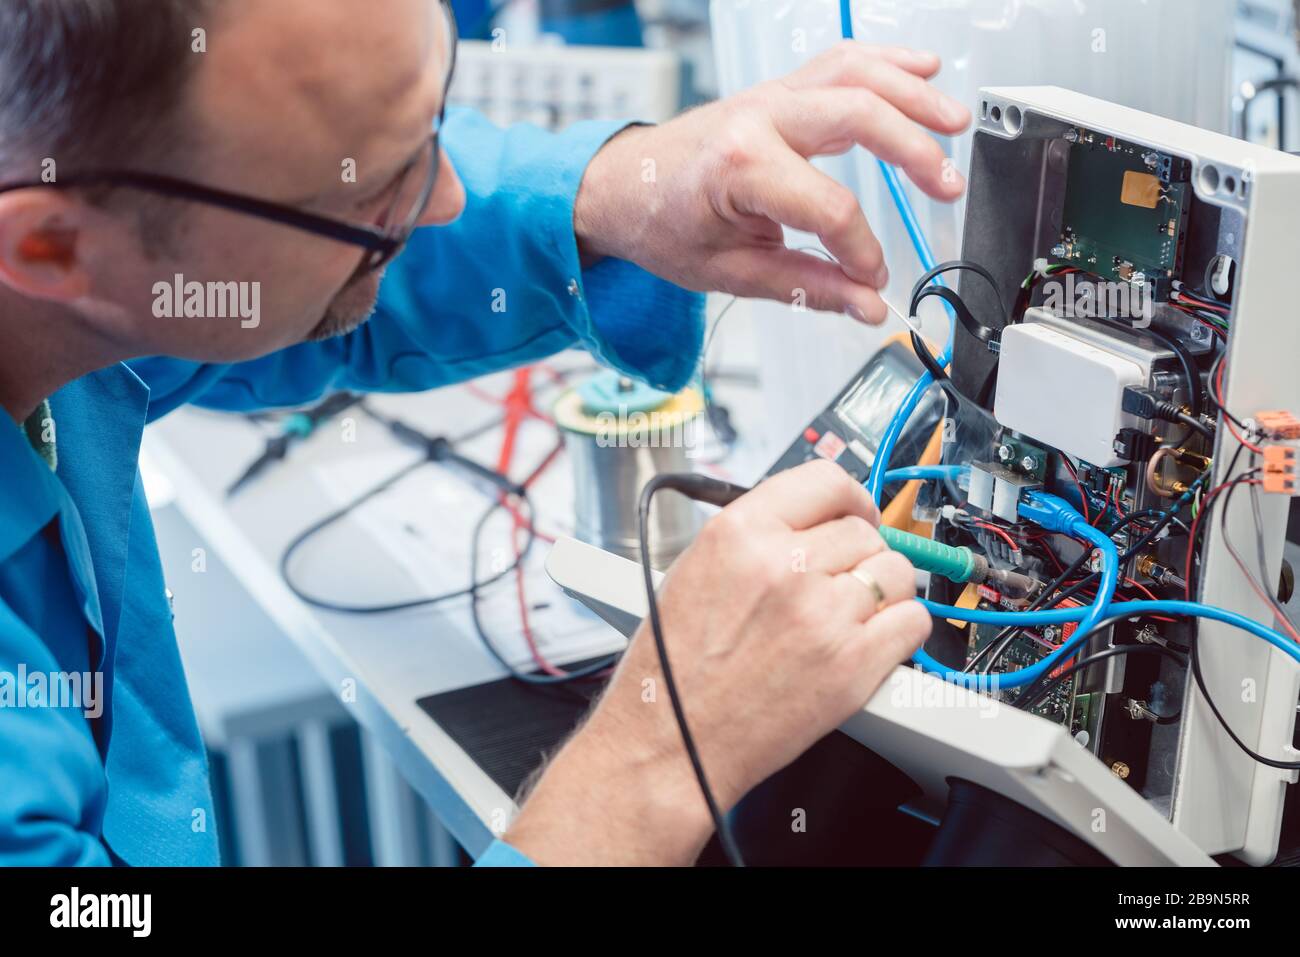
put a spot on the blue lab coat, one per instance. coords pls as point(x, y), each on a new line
point(81, 585)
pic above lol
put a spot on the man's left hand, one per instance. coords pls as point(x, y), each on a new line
point(701, 200)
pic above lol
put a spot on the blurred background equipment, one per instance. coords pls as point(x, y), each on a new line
point(1266, 73)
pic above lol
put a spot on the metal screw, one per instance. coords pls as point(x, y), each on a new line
point(1028, 463)
point(1005, 452)
point(1120, 770)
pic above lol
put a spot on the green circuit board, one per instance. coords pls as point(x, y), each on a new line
point(1064, 705)
point(1125, 212)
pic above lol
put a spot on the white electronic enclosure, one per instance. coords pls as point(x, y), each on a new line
point(1240, 204)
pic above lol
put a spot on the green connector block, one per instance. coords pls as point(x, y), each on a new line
point(954, 563)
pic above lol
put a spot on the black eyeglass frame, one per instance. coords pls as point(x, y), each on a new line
point(381, 241)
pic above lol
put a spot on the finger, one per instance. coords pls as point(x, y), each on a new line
point(839, 545)
point(910, 93)
point(826, 120)
point(888, 638)
point(922, 63)
point(788, 189)
point(827, 68)
point(886, 574)
point(790, 276)
point(810, 494)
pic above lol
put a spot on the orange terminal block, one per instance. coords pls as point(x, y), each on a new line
point(1278, 424)
point(1280, 469)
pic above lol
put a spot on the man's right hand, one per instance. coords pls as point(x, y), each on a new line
point(773, 643)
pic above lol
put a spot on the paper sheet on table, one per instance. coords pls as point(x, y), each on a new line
point(426, 523)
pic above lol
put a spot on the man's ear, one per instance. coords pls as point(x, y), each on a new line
point(43, 234)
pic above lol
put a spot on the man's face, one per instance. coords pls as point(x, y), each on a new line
point(316, 104)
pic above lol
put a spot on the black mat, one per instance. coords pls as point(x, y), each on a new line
point(508, 727)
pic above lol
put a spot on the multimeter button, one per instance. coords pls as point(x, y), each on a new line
point(830, 446)
point(810, 434)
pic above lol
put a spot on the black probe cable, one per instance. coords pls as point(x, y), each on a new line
point(700, 488)
point(443, 446)
point(476, 587)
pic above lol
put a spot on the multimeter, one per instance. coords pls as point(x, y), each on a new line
point(849, 430)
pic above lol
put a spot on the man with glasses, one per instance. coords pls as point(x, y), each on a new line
point(296, 147)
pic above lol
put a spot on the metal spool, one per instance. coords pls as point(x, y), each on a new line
point(618, 434)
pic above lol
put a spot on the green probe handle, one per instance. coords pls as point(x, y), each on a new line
point(956, 564)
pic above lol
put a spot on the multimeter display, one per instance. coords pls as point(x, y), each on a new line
point(849, 430)
point(869, 407)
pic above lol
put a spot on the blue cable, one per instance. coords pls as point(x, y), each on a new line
point(876, 479)
point(927, 472)
point(910, 222)
point(1056, 515)
point(885, 451)
point(1125, 609)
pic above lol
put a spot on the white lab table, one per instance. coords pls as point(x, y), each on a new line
point(378, 666)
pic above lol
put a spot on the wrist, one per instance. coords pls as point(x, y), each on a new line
point(611, 205)
point(619, 793)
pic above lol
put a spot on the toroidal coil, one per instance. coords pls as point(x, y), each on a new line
point(619, 434)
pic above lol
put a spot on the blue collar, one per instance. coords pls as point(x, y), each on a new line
point(31, 494)
point(99, 420)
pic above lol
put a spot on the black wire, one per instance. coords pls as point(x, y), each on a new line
point(1194, 389)
point(1184, 359)
point(1263, 558)
point(1033, 696)
point(1133, 550)
point(342, 512)
point(1260, 584)
point(1193, 573)
point(1214, 374)
point(475, 590)
point(1138, 516)
point(725, 836)
point(1195, 658)
point(1195, 425)
point(1047, 596)
point(1223, 722)
point(982, 333)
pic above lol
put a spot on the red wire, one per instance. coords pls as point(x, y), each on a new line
point(1196, 523)
point(1218, 397)
point(1083, 499)
point(1250, 579)
point(1149, 594)
point(518, 405)
point(1281, 619)
point(1215, 306)
point(1105, 506)
point(480, 393)
point(1001, 534)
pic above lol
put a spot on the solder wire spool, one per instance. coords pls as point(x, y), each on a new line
point(618, 435)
